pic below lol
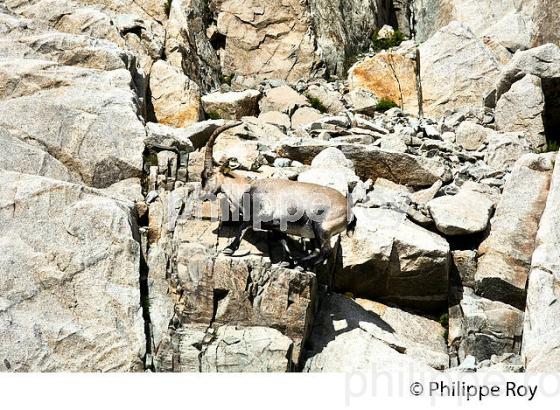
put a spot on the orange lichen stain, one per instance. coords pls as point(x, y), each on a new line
point(387, 75)
point(183, 118)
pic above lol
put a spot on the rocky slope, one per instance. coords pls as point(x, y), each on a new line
point(444, 144)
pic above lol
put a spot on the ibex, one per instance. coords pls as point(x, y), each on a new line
point(295, 208)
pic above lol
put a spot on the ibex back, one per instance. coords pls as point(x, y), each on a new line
point(295, 208)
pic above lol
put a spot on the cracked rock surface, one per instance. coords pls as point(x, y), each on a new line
point(444, 145)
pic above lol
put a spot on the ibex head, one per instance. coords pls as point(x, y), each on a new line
point(214, 175)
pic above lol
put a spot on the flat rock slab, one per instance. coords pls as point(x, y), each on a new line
point(392, 259)
point(466, 213)
point(232, 105)
point(70, 279)
point(505, 255)
point(541, 332)
point(225, 349)
point(372, 163)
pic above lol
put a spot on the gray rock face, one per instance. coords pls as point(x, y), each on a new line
point(72, 50)
point(187, 46)
point(505, 256)
point(100, 94)
point(212, 292)
point(344, 28)
point(289, 54)
point(358, 335)
point(126, 24)
point(252, 349)
point(195, 348)
point(83, 123)
point(393, 259)
point(542, 62)
point(70, 266)
point(470, 70)
point(541, 332)
point(504, 149)
point(521, 109)
point(508, 22)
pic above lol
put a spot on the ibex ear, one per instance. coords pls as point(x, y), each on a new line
point(229, 165)
point(233, 163)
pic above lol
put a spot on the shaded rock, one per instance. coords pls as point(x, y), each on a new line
point(505, 255)
point(232, 105)
point(344, 28)
point(464, 264)
point(488, 327)
point(187, 47)
point(390, 258)
point(70, 260)
point(175, 98)
point(247, 290)
point(505, 363)
point(521, 109)
point(405, 169)
point(360, 335)
point(541, 332)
